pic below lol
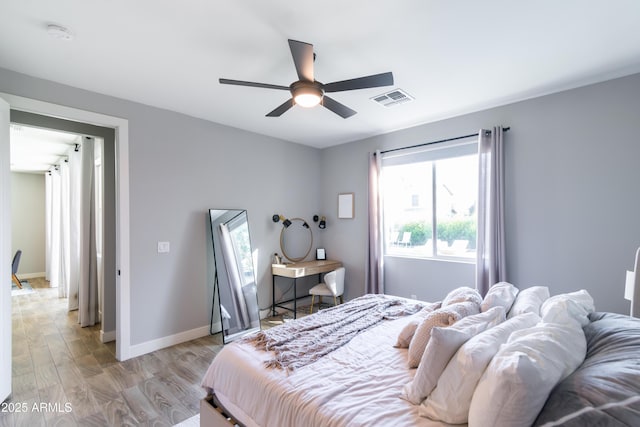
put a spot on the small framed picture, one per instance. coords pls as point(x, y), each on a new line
point(346, 205)
point(320, 254)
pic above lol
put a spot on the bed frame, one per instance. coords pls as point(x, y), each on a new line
point(213, 414)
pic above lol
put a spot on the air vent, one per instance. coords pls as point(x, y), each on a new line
point(395, 97)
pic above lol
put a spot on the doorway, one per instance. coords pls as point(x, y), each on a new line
point(122, 229)
point(107, 178)
point(120, 127)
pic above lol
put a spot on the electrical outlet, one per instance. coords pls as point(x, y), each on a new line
point(163, 247)
point(414, 297)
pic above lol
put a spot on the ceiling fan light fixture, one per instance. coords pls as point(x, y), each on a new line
point(306, 94)
point(307, 100)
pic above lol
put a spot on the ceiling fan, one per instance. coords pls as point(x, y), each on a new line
point(308, 92)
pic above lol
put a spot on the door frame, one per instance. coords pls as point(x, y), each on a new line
point(107, 134)
point(5, 253)
point(121, 126)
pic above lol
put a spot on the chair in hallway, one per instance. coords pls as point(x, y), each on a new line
point(333, 285)
point(14, 268)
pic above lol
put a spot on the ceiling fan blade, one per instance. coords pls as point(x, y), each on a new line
point(282, 108)
point(303, 59)
point(252, 84)
point(376, 80)
point(338, 108)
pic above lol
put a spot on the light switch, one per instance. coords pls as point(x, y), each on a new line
point(163, 247)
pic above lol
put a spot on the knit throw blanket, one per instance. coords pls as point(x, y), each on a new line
point(298, 343)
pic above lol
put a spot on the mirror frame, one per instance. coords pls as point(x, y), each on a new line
point(282, 233)
point(220, 265)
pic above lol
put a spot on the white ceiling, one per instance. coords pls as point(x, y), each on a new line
point(454, 57)
point(35, 150)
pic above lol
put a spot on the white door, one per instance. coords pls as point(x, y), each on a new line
point(5, 254)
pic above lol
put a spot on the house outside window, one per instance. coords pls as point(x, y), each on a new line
point(429, 203)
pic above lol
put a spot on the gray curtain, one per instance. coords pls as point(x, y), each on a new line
point(490, 263)
point(75, 191)
point(374, 275)
point(88, 268)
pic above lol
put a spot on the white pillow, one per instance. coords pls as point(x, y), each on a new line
point(501, 294)
point(406, 334)
point(563, 308)
point(462, 294)
point(517, 382)
point(444, 316)
point(442, 346)
point(529, 300)
point(450, 400)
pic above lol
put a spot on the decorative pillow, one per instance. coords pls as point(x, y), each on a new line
point(405, 335)
point(521, 375)
point(529, 300)
point(563, 308)
point(442, 346)
point(444, 316)
point(450, 400)
point(462, 294)
point(501, 294)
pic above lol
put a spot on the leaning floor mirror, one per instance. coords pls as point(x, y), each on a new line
point(235, 279)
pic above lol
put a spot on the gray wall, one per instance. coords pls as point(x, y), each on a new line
point(179, 168)
point(28, 222)
point(571, 194)
point(571, 170)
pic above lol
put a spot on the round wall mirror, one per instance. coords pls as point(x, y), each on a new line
point(296, 240)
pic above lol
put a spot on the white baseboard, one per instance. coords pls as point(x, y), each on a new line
point(30, 275)
point(157, 344)
point(107, 336)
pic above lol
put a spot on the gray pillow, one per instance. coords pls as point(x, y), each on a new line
point(605, 389)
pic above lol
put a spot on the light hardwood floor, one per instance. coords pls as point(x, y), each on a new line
point(74, 379)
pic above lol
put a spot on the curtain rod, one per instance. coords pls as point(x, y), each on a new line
point(455, 138)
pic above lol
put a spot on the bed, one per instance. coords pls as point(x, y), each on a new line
point(366, 380)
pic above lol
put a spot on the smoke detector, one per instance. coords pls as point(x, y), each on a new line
point(59, 32)
point(394, 97)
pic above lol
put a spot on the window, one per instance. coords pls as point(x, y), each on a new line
point(430, 199)
point(239, 232)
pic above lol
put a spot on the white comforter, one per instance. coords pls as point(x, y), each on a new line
point(356, 385)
